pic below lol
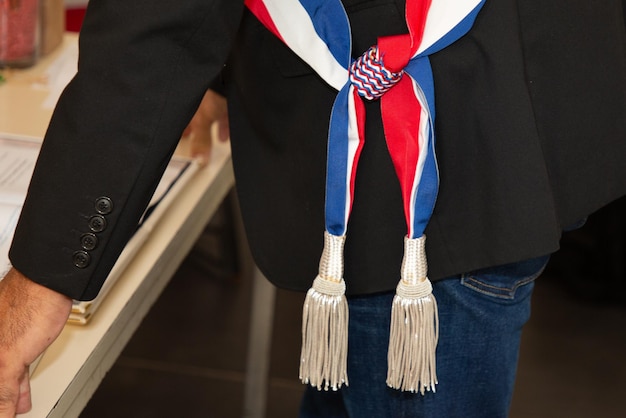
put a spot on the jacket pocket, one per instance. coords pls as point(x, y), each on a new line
point(286, 61)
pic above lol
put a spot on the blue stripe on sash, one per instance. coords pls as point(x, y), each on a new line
point(337, 165)
point(331, 24)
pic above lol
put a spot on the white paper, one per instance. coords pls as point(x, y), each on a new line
point(8, 220)
point(17, 162)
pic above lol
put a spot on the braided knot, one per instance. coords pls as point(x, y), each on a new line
point(370, 77)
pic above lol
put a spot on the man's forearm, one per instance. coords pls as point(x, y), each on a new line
point(31, 318)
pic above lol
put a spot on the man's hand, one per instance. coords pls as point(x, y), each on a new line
point(212, 109)
point(31, 318)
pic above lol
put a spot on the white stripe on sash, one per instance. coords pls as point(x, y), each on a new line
point(443, 17)
point(295, 26)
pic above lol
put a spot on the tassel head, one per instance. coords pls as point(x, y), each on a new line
point(414, 325)
point(323, 360)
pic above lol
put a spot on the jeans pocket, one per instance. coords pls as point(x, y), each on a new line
point(506, 282)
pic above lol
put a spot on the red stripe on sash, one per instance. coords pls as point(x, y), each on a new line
point(260, 11)
point(401, 113)
point(359, 110)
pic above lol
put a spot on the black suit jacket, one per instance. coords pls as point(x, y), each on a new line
point(531, 137)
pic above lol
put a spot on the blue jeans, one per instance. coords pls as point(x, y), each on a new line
point(481, 316)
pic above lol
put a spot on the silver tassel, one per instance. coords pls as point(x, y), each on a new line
point(414, 325)
point(323, 361)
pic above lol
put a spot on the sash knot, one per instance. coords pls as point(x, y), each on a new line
point(370, 77)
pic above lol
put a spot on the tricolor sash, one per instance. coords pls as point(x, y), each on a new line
point(396, 71)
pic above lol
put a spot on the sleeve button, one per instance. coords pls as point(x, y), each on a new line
point(104, 205)
point(88, 241)
point(97, 223)
point(81, 259)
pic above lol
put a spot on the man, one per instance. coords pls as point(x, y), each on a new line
point(531, 125)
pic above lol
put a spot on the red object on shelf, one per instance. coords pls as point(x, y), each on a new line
point(18, 32)
point(74, 19)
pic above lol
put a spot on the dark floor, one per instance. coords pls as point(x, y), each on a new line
point(188, 358)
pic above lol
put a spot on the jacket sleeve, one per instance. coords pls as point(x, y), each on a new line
point(143, 68)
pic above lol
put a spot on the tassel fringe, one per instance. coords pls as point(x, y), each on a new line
point(323, 361)
point(414, 325)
